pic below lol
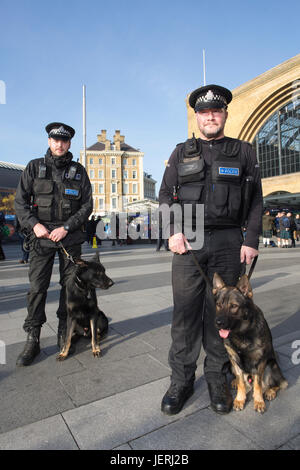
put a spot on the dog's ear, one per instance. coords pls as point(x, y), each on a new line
point(245, 287)
point(218, 283)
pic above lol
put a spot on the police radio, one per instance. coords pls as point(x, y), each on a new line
point(175, 194)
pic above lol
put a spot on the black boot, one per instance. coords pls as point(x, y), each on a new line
point(220, 396)
point(31, 349)
point(173, 401)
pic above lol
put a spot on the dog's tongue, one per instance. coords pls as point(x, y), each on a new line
point(224, 333)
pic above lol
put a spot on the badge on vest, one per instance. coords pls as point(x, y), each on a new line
point(229, 171)
point(71, 192)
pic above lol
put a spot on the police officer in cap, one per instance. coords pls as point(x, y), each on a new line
point(53, 202)
point(222, 174)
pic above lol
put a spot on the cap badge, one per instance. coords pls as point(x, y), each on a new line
point(209, 96)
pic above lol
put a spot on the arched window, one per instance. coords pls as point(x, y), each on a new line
point(278, 142)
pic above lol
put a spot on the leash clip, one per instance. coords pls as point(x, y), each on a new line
point(70, 257)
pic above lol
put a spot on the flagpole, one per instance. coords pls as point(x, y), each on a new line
point(84, 125)
point(204, 68)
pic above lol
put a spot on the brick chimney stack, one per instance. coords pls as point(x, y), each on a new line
point(118, 139)
point(102, 138)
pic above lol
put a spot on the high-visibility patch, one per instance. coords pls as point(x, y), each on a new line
point(71, 192)
point(229, 171)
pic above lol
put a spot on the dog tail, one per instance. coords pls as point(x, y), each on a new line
point(276, 377)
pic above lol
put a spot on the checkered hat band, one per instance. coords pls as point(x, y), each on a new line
point(211, 97)
point(60, 131)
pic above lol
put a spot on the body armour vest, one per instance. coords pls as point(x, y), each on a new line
point(56, 197)
point(218, 186)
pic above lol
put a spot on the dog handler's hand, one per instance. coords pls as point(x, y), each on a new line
point(40, 231)
point(179, 244)
point(248, 254)
point(58, 234)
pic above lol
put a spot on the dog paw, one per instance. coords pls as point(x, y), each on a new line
point(97, 353)
point(61, 357)
point(270, 394)
point(259, 406)
point(238, 405)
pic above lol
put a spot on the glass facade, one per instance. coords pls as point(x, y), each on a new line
point(278, 142)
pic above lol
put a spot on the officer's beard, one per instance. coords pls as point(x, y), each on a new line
point(213, 134)
point(62, 161)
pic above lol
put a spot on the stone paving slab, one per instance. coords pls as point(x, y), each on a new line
point(109, 379)
point(116, 420)
point(48, 434)
point(203, 430)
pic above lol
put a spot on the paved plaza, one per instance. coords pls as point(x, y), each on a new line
point(114, 402)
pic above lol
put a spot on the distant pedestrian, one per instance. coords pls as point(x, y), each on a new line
point(90, 230)
point(297, 222)
point(25, 252)
point(292, 229)
point(277, 228)
point(267, 225)
point(2, 223)
point(284, 223)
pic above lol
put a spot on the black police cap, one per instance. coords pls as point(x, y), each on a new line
point(59, 130)
point(210, 96)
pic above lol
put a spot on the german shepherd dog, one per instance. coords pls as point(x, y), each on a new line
point(84, 315)
point(248, 341)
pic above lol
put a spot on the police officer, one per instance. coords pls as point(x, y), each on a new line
point(53, 201)
point(222, 174)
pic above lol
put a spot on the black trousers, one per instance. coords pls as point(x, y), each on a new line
point(40, 270)
point(194, 309)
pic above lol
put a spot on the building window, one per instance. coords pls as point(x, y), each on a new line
point(125, 174)
point(101, 188)
point(113, 187)
point(101, 177)
point(100, 161)
point(91, 161)
point(113, 173)
point(114, 203)
point(277, 143)
point(113, 160)
point(134, 175)
point(92, 174)
point(134, 188)
point(133, 161)
point(124, 161)
point(125, 188)
point(101, 204)
point(93, 187)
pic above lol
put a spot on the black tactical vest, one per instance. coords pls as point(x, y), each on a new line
point(56, 199)
point(218, 186)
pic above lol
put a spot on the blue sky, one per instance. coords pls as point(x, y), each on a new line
point(138, 60)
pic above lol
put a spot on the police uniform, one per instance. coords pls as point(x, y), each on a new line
point(223, 175)
point(56, 192)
